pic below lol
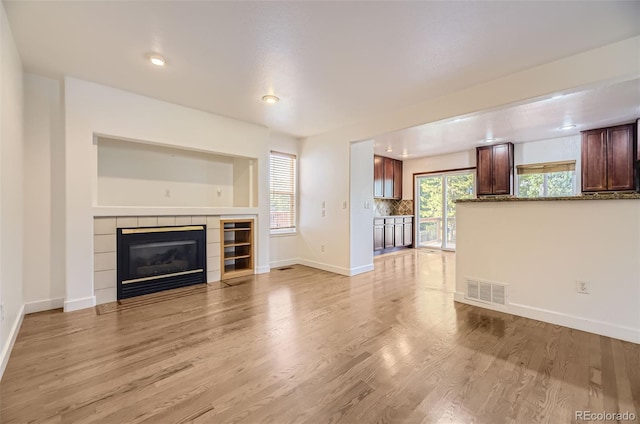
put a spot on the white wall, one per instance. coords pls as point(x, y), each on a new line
point(552, 150)
point(136, 174)
point(92, 109)
point(245, 182)
point(284, 247)
point(11, 188)
point(466, 159)
point(541, 248)
point(43, 190)
point(324, 181)
point(362, 210)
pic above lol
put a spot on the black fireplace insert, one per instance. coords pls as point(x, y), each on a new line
point(160, 258)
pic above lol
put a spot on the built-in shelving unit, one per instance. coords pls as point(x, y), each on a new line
point(236, 248)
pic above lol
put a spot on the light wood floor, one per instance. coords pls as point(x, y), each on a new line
point(307, 346)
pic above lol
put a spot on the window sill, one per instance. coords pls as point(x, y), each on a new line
point(283, 233)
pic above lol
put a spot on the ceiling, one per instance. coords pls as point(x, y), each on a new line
point(537, 120)
point(331, 63)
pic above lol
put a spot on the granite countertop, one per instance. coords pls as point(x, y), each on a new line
point(392, 216)
point(598, 196)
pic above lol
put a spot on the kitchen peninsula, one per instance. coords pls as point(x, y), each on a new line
point(572, 261)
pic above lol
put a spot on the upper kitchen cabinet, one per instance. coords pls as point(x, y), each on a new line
point(378, 176)
point(608, 159)
point(387, 178)
point(397, 179)
point(495, 169)
point(638, 140)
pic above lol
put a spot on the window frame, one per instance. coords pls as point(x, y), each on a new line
point(545, 169)
point(294, 194)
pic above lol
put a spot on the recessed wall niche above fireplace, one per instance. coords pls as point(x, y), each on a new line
point(159, 258)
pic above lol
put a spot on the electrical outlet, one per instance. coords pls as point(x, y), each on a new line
point(323, 212)
point(322, 247)
point(583, 287)
point(167, 193)
point(344, 205)
point(2, 312)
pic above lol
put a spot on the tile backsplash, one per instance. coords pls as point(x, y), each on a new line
point(385, 207)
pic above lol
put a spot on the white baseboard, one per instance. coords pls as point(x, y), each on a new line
point(82, 303)
point(6, 351)
point(43, 305)
point(558, 318)
point(361, 269)
point(284, 262)
point(349, 272)
point(263, 269)
point(325, 267)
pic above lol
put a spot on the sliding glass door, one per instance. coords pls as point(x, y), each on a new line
point(436, 209)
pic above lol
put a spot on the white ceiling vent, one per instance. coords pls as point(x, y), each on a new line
point(486, 292)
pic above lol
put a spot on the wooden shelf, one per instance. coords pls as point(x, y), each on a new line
point(229, 258)
point(236, 255)
point(244, 243)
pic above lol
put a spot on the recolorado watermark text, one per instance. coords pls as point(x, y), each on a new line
point(605, 416)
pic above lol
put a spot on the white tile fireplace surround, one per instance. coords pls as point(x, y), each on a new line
point(104, 247)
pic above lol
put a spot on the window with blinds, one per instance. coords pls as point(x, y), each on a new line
point(550, 179)
point(282, 191)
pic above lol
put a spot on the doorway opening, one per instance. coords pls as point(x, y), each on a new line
point(435, 206)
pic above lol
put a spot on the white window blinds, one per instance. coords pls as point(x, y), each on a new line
point(282, 191)
point(547, 167)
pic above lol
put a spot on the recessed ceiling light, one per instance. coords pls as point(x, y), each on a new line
point(556, 96)
point(271, 99)
point(567, 127)
point(489, 140)
point(157, 59)
point(459, 119)
point(389, 149)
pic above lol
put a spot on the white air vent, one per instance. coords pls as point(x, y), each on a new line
point(484, 291)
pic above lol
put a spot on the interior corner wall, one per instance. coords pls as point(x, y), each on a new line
point(324, 186)
point(361, 211)
point(458, 160)
point(11, 186)
point(283, 249)
point(93, 109)
point(43, 190)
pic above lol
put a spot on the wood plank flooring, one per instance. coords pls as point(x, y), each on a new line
point(308, 346)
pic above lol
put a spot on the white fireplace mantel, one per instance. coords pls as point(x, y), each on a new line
point(100, 211)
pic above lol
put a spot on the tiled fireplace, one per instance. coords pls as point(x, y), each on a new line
point(104, 247)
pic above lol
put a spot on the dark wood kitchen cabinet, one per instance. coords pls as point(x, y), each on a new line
point(408, 231)
point(398, 233)
point(638, 140)
point(387, 189)
point(387, 178)
point(378, 234)
point(378, 176)
point(392, 232)
point(608, 159)
point(389, 233)
point(494, 165)
point(397, 179)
